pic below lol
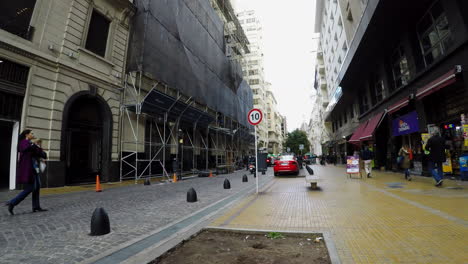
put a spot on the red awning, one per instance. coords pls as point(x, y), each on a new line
point(439, 83)
point(397, 106)
point(355, 139)
point(371, 126)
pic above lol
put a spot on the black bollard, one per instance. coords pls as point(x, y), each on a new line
point(147, 181)
point(100, 222)
point(310, 170)
point(244, 178)
point(227, 184)
point(191, 196)
point(263, 172)
point(255, 174)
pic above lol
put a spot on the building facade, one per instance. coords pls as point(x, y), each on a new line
point(61, 72)
point(274, 121)
point(253, 70)
point(407, 80)
point(336, 22)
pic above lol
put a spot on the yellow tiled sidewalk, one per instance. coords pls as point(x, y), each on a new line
point(368, 221)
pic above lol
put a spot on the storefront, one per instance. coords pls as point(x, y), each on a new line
point(447, 110)
point(441, 104)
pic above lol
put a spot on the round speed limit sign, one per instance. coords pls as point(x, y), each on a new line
point(255, 116)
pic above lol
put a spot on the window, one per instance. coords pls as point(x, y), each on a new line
point(363, 103)
point(434, 34)
point(255, 101)
point(379, 91)
point(349, 16)
point(345, 47)
point(254, 81)
point(253, 72)
point(98, 33)
point(400, 69)
point(15, 17)
point(250, 20)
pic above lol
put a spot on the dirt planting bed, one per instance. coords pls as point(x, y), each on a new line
point(229, 247)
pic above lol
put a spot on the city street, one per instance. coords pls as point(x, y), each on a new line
point(380, 220)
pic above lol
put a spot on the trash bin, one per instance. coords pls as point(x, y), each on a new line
point(464, 167)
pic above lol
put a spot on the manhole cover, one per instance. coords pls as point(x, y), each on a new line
point(395, 186)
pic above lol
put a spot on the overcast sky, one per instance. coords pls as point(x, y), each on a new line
point(288, 29)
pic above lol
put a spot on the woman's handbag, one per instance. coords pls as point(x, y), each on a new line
point(400, 159)
point(42, 166)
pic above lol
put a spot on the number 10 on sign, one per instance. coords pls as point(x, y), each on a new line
point(255, 116)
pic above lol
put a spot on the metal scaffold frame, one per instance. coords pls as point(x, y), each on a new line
point(163, 136)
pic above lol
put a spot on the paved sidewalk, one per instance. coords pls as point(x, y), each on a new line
point(60, 235)
point(385, 219)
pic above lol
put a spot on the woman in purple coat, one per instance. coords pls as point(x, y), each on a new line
point(28, 172)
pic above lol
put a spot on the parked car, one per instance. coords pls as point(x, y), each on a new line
point(286, 164)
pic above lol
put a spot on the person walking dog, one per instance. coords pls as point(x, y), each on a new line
point(436, 146)
point(28, 172)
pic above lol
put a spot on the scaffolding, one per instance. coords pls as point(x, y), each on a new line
point(171, 134)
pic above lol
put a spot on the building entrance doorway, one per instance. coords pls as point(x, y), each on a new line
point(6, 130)
point(84, 140)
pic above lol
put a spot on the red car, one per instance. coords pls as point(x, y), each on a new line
point(286, 164)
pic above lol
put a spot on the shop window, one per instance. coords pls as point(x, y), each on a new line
point(400, 69)
point(98, 34)
point(15, 17)
point(434, 34)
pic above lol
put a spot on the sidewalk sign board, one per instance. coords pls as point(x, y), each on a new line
point(255, 117)
point(352, 165)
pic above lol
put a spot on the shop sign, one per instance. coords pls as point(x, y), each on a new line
point(465, 134)
point(447, 165)
point(406, 124)
point(352, 164)
point(464, 163)
point(425, 137)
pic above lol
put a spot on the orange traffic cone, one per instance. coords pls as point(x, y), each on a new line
point(98, 184)
point(211, 174)
point(174, 178)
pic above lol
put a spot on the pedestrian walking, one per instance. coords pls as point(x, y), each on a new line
point(436, 147)
point(28, 172)
point(367, 156)
point(405, 162)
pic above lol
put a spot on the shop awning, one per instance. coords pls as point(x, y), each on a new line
point(439, 83)
point(373, 123)
point(355, 139)
point(397, 106)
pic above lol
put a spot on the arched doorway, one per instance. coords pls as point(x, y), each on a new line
point(86, 138)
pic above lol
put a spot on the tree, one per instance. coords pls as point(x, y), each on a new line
point(296, 138)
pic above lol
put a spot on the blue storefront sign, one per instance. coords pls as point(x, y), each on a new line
point(406, 124)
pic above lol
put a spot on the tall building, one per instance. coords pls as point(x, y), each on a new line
point(336, 22)
point(274, 120)
point(62, 64)
point(253, 71)
point(406, 80)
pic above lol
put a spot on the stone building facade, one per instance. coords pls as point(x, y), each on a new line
point(61, 76)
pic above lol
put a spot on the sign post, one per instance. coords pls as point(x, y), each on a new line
point(255, 117)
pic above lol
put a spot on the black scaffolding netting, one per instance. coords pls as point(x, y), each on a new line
point(181, 43)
